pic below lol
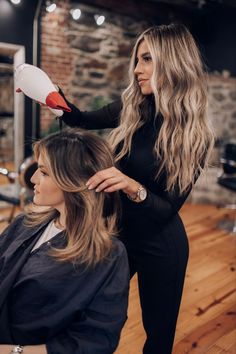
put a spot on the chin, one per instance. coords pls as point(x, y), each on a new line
point(146, 91)
point(37, 202)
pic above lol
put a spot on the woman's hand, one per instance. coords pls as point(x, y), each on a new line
point(111, 180)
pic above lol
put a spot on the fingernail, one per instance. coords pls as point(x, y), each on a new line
point(90, 187)
point(97, 190)
point(87, 183)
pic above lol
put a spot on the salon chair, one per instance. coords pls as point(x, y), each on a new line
point(2, 135)
point(228, 180)
point(23, 187)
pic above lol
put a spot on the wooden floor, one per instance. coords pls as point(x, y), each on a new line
point(207, 320)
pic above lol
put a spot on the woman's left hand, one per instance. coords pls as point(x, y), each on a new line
point(111, 180)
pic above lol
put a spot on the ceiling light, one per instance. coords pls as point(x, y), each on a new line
point(201, 3)
point(16, 2)
point(50, 6)
point(99, 19)
point(75, 13)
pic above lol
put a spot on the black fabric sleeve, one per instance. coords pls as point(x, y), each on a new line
point(164, 206)
point(98, 329)
point(106, 117)
point(159, 207)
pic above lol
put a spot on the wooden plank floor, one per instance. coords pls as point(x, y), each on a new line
point(207, 320)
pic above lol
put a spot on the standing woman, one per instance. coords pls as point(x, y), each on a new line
point(64, 276)
point(162, 141)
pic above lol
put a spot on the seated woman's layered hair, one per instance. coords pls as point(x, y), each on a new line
point(71, 157)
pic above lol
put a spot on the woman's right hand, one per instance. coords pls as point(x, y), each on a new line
point(112, 180)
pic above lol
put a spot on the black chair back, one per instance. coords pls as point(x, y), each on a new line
point(26, 171)
point(228, 159)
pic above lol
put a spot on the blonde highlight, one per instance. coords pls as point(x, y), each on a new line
point(179, 86)
point(71, 158)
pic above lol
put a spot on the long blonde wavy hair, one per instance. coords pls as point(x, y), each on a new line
point(70, 158)
point(179, 87)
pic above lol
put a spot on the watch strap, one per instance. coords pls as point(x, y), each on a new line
point(137, 196)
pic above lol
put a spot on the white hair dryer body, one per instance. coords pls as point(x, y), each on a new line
point(35, 83)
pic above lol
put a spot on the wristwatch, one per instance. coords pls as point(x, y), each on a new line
point(17, 349)
point(140, 196)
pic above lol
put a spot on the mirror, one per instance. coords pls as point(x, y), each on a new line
point(11, 106)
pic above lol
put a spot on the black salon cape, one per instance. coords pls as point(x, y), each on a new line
point(71, 309)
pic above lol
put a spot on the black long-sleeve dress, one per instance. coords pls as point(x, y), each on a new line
point(152, 230)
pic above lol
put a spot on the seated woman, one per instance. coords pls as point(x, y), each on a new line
point(64, 276)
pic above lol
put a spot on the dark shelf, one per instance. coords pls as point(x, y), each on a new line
point(6, 115)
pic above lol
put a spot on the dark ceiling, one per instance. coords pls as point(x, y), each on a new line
point(197, 3)
point(164, 11)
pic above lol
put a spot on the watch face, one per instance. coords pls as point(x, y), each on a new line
point(142, 194)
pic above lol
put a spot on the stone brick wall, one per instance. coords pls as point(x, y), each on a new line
point(90, 64)
point(87, 61)
point(57, 59)
point(222, 106)
point(222, 114)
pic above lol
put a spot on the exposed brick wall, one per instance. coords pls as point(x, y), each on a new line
point(57, 59)
point(87, 61)
point(222, 114)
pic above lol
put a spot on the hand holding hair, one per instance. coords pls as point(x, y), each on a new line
point(111, 180)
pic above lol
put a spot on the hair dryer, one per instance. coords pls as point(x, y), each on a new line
point(35, 83)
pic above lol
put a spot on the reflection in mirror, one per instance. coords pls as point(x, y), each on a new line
point(11, 126)
point(11, 106)
point(6, 108)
